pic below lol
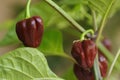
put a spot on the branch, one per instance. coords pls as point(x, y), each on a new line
point(65, 15)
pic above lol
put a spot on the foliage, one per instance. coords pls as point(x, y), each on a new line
point(52, 42)
point(25, 64)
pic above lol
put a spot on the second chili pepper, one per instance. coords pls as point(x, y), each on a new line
point(103, 64)
point(84, 53)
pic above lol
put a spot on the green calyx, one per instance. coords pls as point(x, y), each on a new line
point(85, 33)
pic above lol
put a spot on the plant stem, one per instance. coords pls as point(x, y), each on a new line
point(96, 69)
point(70, 58)
point(85, 33)
point(27, 13)
point(113, 63)
point(65, 15)
point(104, 21)
point(65, 56)
point(94, 20)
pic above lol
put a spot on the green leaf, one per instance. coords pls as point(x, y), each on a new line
point(25, 64)
point(69, 74)
point(101, 6)
point(52, 43)
point(116, 6)
point(68, 2)
point(104, 9)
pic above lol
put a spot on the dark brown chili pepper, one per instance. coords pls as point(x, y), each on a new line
point(84, 53)
point(83, 74)
point(103, 65)
point(30, 31)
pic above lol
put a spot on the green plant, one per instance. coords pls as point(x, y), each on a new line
point(82, 15)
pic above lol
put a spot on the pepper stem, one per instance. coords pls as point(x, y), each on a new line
point(27, 13)
point(85, 33)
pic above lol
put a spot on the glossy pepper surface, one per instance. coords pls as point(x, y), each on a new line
point(30, 31)
point(84, 53)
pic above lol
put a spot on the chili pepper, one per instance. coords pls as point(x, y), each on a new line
point(88, 74)
point(107, 43)
point(103, 65)
point(83, 74)
point(30, 31)
point(102, 58)
point(84, 53)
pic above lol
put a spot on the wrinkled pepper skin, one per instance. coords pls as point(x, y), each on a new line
point(103, 64)
point(83, 74)
point(30, 31)
point(84, 53)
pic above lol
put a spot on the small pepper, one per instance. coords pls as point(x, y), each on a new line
point(84, 53)
point(30, 31)
point(103, 65)
point(83, 74)
point(107, 43)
